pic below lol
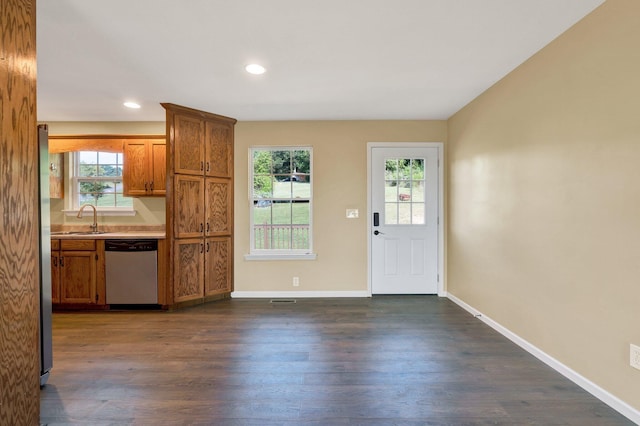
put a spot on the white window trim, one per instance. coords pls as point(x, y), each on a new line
point(280, 256)
point(293, 254)
point(74, 205)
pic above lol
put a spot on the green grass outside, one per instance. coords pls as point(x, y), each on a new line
point(284, 213)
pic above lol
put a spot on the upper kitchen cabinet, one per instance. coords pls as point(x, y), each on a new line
point(56, 175)
point(218, 142)
point(145, 167)
point(144, 172)
point(203, 147)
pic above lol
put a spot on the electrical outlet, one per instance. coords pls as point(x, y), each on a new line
point(634, 357)
point(296, 281)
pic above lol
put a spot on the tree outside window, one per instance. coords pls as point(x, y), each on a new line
point(98, 180)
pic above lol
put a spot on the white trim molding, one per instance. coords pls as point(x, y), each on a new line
point(296, 294)
point(281, 256)
point(611, 400)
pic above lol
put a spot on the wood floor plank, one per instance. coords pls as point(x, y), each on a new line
point(386, 360)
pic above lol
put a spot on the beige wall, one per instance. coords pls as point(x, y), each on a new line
point(544, 190)
point(339, 182)
point(149, 210)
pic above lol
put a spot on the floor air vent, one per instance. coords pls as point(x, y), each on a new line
point(282, 301)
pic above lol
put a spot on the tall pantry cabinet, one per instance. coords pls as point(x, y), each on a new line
point(199, 204)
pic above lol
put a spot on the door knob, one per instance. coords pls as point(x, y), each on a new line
point(376, 232)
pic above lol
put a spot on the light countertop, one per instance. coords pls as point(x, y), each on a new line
point(117, 235)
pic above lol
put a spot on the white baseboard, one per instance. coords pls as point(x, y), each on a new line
point(296, 294)
point(614, 402)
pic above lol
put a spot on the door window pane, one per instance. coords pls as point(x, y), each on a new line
point(404, 191)
point(391, 213)
point(404, 214)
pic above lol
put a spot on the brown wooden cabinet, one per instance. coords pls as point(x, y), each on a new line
point(203, 210)
point(219, 233)
point(55, 271)
point(203, 147)
point(218, 143)
point(219, 207)
point(77, 272)
point(188, 270)
point(218, 272)
point(145, 168)
point(200, 203)
point(189, 207)
point(188, 145)
point(56, 175)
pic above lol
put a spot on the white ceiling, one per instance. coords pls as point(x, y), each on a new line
point(325, 59)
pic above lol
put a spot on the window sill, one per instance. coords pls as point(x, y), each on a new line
point(280, 256)
point(101, 212)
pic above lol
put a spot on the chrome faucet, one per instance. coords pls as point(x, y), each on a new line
point(94, 226)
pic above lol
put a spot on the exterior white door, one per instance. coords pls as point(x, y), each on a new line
point(404, 224)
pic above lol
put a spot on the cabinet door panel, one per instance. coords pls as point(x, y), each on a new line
point(56, 175)
point(218, 261)
point(158, 168)
point(189, 145)
point(219, 207)
point(55, 277)
point(78, 277)
point(188, 279)
point(219, 149)
point(134, 173)
point(189, 206)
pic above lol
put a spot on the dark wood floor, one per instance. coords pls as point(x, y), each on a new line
point(380, 361)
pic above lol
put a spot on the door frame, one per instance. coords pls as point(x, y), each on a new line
point(441, 235)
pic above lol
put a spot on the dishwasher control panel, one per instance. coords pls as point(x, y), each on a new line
point(131, 245)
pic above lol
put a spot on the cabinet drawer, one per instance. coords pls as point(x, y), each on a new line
point(55, 245)
point(89, 245)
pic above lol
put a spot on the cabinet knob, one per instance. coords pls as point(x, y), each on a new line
point(151, 186)
point(62, 261)
point(208, 166)
point(207, 247)
point(201, 248)
point(145, 187)
point(201, 165)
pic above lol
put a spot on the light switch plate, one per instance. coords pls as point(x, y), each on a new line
point(352, 213)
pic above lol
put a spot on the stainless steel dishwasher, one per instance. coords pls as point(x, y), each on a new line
point(131, 272)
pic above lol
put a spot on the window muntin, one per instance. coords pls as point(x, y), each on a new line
point(404, 191)
point(97, 180)
point(281, 200)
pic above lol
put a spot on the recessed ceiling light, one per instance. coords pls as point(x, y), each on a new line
point(132, 105)
point(255, 69)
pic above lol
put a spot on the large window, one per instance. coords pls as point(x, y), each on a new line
point(97, 180)
point(281, 199)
